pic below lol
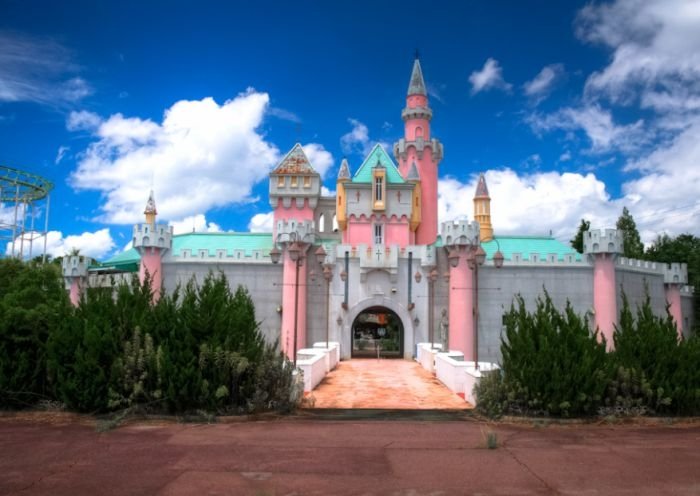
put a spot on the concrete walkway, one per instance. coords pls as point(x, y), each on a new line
point(383, 383)
point(293, 457)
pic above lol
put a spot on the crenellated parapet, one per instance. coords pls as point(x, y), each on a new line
point(459, 233)
point(416, 113)
point(291, 230)
point(675, 273)
point(402, 146)
point(149, 236)
point(598, 241)
point(75, 266)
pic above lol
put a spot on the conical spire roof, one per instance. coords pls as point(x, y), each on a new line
point(417, 85)
point(150, 205)
point(413, 174)
point(482, 190)
point(344, 172)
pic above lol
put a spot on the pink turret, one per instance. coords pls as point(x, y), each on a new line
point(675, 276)
point(75, 272)
point(152, 241)
point(602, 246)
point(418, 146)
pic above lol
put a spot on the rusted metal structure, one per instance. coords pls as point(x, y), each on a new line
point(24, 213)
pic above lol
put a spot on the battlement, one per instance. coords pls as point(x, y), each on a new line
point(220, 256)
point(75, 266)
point(295, 230)
point(461, 232)
point(675, 273)
point(687, 290)
point(402, 145)
point(548, 260)
point(152, 236)
point(602, 241)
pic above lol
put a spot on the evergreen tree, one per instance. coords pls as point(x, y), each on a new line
point(630, 236)
point(577, 241)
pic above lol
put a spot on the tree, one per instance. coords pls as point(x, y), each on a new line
point(577, 241)
point(633, 246)
point(684, 248)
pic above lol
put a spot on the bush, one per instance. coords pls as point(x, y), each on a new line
point(552, 363)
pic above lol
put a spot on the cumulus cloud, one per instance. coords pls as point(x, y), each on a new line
point(357, 140)
point(202, 155)
point(83, 120)
point(542, 84)
point(320, 158)
point(38, 70)
point(61, 153)
point(92, 244)
point(489, 77)
point(194, 223)
point(261, 222)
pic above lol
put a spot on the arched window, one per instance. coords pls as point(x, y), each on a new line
point(322, 223)
point(419, 132)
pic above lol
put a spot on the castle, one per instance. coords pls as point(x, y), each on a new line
point(371, 268)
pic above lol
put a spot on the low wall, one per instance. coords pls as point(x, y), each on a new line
point(333, 352)
point(425, 355)
point(314, 365)
point(472, 376)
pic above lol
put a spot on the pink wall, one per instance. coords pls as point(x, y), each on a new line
point(361, 231)
point(462, 308)
point(75, 291)
point(605, 296)
point(151, 263)
point(673, 297)
point(291, 213)
point(398, 232)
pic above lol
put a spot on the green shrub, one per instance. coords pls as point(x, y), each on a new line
point(491, 394)
point(552, 363)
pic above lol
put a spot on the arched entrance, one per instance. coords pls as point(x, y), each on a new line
point(377, 332)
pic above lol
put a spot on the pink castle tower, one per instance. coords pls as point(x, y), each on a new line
point(675, 276)
point(603, 246)
point(417, 146)
point(75, 273)
point(295, 188)
point(152, 241)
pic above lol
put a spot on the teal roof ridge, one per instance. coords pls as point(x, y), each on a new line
point(378, 154)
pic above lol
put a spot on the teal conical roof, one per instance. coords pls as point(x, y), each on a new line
point(378, 157)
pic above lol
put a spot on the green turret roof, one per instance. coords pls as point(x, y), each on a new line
point(378, 156)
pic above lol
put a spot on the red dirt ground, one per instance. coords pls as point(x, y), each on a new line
point(60, 454)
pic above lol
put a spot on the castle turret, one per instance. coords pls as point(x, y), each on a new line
point(340, 195)
point(418, 147)
point(602, 247)
point(152, 241)
point(675, 276)
point(482, 209)
point(75, 272)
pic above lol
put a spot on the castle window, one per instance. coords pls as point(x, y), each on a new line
point(280, 181)
point(378, 188)
point(307, 181)
point(294, 181)
point(378, 234)
point(321, 223)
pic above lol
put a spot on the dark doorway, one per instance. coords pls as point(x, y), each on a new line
point(377, 332)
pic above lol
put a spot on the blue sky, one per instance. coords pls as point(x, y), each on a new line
point(572, 109)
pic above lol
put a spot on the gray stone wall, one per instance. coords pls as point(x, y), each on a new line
point(688, 316)
point(635, 285)
point(263, 282)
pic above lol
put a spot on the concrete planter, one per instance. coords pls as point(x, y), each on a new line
point(425, 355)
point(472, 376)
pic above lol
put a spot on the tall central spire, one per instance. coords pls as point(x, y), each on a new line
point(417, 85)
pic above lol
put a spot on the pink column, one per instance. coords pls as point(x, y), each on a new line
point(301, 327)
point(605, 296)
point(462, 308)
point(151, 263)
point(75, 291)
point(288, 282)
point(673, 297)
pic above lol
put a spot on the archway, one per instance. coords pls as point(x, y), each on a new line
point(377, 332)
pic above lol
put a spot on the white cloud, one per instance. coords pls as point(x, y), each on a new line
point(532, 204)
point(61, 153)
point(489, 77)
point(194, 223)
point(655, 43)
point(598, 125)
point(92, 244)
point(38, 70)
point(320, 158)
point(261, 222)
point(83, 121)
point(285, 115)
point(202, 155)
point(541, 85)
point(357, 140)
point(565, 157)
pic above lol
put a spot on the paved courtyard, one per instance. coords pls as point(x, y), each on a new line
point(384, 383)
point(59, 455)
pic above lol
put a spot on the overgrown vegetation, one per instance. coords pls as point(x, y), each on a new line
point(553, 365)
point(199, 348)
